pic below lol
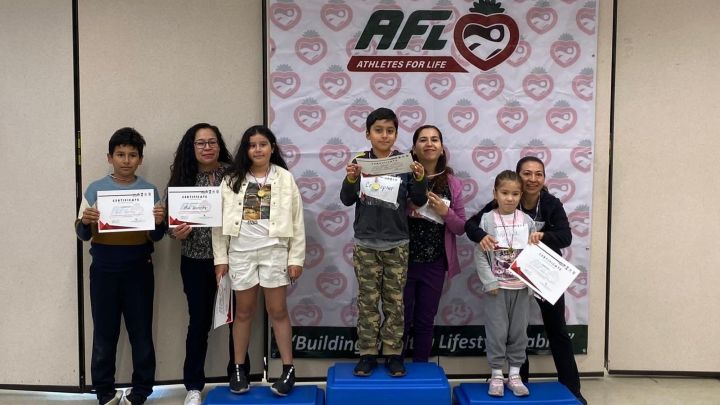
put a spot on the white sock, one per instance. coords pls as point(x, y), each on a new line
point(497, 373)
point(514, 371)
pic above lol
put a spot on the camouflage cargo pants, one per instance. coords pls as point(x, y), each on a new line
point(380, 274)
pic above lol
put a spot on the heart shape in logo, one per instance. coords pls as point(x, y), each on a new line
point(486, 40)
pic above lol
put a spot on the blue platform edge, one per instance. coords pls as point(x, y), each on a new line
point(540, 393)
point(259, 395)
point(425, 383)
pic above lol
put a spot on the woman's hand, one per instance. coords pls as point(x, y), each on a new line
point(536, 237)
point(181, 232)
point(437, 204)
point(418, 170)
point(220, 271)
point(488, 243)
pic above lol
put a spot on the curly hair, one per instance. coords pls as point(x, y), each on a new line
point(184, 169)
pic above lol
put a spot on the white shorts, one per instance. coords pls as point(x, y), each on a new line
point(265, 266)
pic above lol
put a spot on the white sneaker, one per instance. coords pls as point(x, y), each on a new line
point(193, 398)
point(116, 399)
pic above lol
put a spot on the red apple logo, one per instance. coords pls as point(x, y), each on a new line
point(485, 37)
point(285, 14)
point(561, 186)
point(565, 51)
point(512, 117)
point(522, 53)
point(289, 151)
point(541, 18)
point(349, 313)
point(271, 47)
point(333, 221)
point(583, 84)
point(475, 286)
point(309, 115)
point(579, 288)
point(439, 85)
point(585, 18)
point(314, 253)
point(410, 115)
point(463, 116)
point(336, 15)
point(488, 85)
point(348, 251)
point(580, 221)
point(538, 149)
point(331, 283)
point(335, 155)
point(561, 118)
point(335, 83)
point(538, 84)
point(310, 48)
point(306, 313)
point(487, 155)
point(284, 82)
point(385, 85)
point(311, 186)
point(581, 156)
point(457, 312)
point(469, 186)
point(356, 114)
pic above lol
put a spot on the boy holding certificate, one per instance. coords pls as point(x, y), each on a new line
point(121, 276)
point(380, 255)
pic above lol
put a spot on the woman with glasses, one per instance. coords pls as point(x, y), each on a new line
point(201, 160)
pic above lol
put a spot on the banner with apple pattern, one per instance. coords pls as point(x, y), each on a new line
point(501, 79)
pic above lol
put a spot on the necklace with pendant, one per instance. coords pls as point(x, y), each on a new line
point(262, 190)
point(512, 232)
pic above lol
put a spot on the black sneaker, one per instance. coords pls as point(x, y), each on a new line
point(285, 383)
point(112, 398)
point(395, 366)
point(365, 366)
point(239, 382)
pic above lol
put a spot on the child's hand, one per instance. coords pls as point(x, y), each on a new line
point(353, 171)
point(220, 270)
point(159, 214)
point(488, 243)
point(294, 272)
point(437, 204)
point(90, 215)
point(181, 232)
point(536, 237)
point(418, 170)
point(494, 291)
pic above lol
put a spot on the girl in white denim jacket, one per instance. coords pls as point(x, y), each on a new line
point(261, 244)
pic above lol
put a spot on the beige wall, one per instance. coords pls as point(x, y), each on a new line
point(164, 65)
point(664, 277)
point(38, 293)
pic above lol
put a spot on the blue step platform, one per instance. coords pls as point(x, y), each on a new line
point(424, 384)
point(552, 393)
point(300, 395)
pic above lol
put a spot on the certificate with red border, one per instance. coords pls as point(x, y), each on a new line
point(544, 271)
point(126, 210)
point(196, 206)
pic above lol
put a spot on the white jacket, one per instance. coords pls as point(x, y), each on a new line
point(286, 217)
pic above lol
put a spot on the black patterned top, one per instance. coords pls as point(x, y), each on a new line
point(427, 238)
point(198, 244)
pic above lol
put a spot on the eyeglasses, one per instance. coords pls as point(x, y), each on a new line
point(203, 144)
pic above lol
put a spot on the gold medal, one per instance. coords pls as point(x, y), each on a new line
point(261, 193)
point(375, 186)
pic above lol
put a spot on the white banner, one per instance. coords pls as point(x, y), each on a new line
point(500, 82)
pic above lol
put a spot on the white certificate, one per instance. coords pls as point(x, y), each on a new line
point(386, 166)
point(223, 313)
point(544, 271)
point(196, 206)
point(428, 213)
point(126, 210)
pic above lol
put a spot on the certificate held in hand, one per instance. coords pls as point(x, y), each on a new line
point(196, 206)
point(126, 210)
point(544, 271)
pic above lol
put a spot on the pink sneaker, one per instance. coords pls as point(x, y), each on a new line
point(517, 387)
point(496, 387)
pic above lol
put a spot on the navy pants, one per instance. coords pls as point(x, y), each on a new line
point(127, 293)
point(560, 345)
point(198, 276)
point(421, 295)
